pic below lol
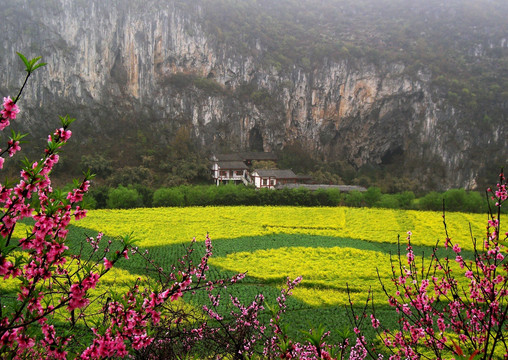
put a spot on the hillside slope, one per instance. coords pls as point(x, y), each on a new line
point(420, 92)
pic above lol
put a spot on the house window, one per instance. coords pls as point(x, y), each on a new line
point(224, 173)
point(272, 182)
point(265, 182)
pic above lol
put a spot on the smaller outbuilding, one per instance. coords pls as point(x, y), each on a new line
point(272, 177)
point(314, 187)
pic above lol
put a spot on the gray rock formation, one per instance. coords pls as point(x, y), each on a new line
point(112, 65)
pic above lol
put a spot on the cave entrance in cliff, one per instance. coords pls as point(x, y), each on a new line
point(255, 140)
point(393, 156)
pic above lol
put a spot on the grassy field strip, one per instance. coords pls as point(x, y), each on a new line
point(164, 226)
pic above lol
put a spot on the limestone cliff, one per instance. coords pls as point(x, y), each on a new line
point(122, 65)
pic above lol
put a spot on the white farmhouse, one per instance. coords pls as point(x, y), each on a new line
point(273, 177)
point(229, 168)
point(234, 168)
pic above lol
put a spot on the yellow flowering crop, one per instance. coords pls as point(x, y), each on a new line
point(163, 226)
point(20, 230)
point(325, 271)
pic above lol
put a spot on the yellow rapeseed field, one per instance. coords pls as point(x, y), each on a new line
point(325, 271)
point(162, 226)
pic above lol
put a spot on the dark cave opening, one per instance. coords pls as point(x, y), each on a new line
point(255, 140)
point(392, 156)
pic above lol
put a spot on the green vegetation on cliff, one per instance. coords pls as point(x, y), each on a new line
point(462, 44)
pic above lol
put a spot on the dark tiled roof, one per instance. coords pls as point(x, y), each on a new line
point(279, 174)
point(244, 156)
point(229, 157)
point(260, 156)
point(304, 177)
point(232, 165)
point(313, 187)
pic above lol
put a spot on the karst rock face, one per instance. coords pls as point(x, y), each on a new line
point(112, 65)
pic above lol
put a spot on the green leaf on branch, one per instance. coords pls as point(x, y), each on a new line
point(23, 58)
point(7, 184)
point(66, 120)
point(17, 136)
point(5, 251)
point(27, 164)
point(315, 336)
point(88, 175)
point(87, 268)
point(53, 146)
point(283, 344)
point(129, 240)
point(32, 64)
point(18, 260)
point(272, 310)
point(59, 196)
point(345, 334)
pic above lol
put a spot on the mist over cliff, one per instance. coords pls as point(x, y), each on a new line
point(144, 78)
